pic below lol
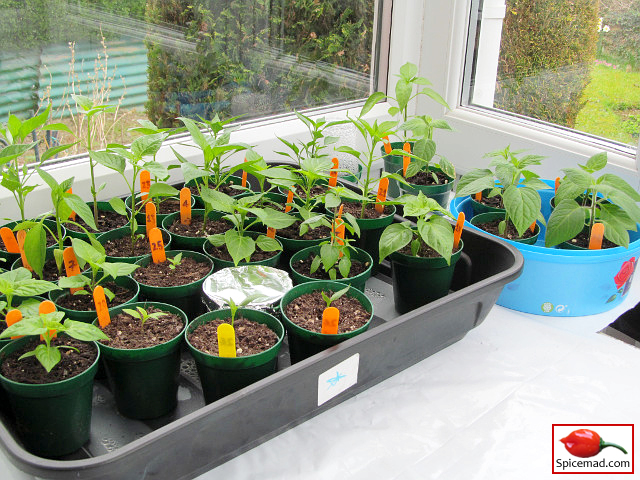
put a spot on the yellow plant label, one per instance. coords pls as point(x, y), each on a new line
point(226, 340)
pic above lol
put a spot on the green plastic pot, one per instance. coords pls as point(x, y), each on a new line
point(52, 419)
point(87, 316)
point(221, 376)
point(418, 281)
point(357, 281)
point(393, 164)
point(185, 297)
point(49, 255)
point(304, 343)
point(291, 245)
point(144, 381)
point(370, 233)
point(181, 242)
point(233, 180)
point(102, 206)
point(479, 207)
point(220, 263)
point(440, 193)
point(125, 232)
point(487, 217)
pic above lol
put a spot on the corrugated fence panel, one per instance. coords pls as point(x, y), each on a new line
point(122, 79)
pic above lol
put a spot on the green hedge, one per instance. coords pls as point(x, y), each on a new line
point(222, 64)
point(622, 42)
point(548, 48)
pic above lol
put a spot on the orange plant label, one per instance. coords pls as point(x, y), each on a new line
point(185, 206)
point(13, 316)
point(339, 216)
point(145, 184)
point(387, 144)
point(21, 236)
point(150, 216)
point(406, 160)
point(9, 240)
point(339, 232)
point(383, 187)
point(597, 232)
point(73, 214)
point(226, 340)
point(71, 266)
point(47, 307)
point(271, 232)
point(287, 209)
point(102, 310)
point(333, 174)
point(479, 197)
point(157, 246)
point(244, 176)
point(533, 227)
point(330, 319)
point(557, 185)
point(457, 232)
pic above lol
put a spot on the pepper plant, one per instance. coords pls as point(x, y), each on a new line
point(20, 283)
point(431, 228)
point(20, 137)
point(330, 299)
point(606, 199)
point(142, 315)
point(512, 179)
point(117, 157)
point(244, 214)
point(93, 254)
point(44, 324)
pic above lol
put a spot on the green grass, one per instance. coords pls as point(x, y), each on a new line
point(612, 108)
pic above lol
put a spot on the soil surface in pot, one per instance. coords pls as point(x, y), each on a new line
point(493, 202)
point(582, 240)
point(223, 254)
point(293, 232)
point(194, 229)
point(426, 178)
point(424, 251)
point(226, 189)
point(306, 312)
point(162, 275)
point(121, 247)
point(370, 211)
point(510, 232)
point(84, 303)
point(303, 267)
point(127, 332)
point(29, 370)
point(49, 271)
point(251, 337)
point(107, 220)
point(166, 206)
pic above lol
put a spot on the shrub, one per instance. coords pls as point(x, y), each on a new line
point(622, 42)
point(547, 50)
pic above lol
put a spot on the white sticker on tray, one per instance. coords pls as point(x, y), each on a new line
point(337, 379)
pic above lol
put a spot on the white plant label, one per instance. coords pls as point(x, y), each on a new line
point(337, 379)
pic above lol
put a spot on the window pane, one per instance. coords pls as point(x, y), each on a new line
point(160, 59)
point(573, 64)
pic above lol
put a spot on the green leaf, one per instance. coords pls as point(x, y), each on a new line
point(26, 326)
point(329, 255)
point(33, 123)
point(618, 183)
point(118, 269)
point(88, 252)
point(435, 96)
point(14, 151)
point(425, 149)
point(597, 162)
point(59, 127)
point(408, 71)
point(578, 177)
point(273, 218)
point(371, 101)
point(315, 264)
point(344, 266)
point(118, 206)
point(475, 181)
point(84, 102)
point(403, 93)
point(394, 238)
point(47, 356)
point(29, 308)
point(110, 160)
point(83, 331)
point(621, 199)
point(239, 247)
point(76, 204)
point(267, 244)
point(565, 222)
point(35, 245)
point(438, 234)
point(53, 151)
point(522, 205)
point(159, 189)
point(77, 281)
point(217, 200)
point(147, 145)
point(349, 150)
point(197, 136)
point(216, 240)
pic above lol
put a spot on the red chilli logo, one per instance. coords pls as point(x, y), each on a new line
point(585, 443)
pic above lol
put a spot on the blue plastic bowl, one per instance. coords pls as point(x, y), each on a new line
point(565, 283)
